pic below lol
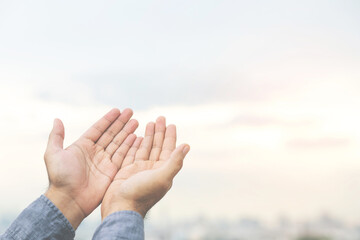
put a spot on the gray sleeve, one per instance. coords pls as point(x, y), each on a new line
point(40, 220)
point(121, 225)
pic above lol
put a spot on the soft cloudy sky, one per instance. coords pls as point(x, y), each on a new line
point(265, 92)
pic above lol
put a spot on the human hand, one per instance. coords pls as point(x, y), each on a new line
point(147, 171)
point(80, 174)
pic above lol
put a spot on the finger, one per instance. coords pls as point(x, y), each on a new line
point(175, 163)
point(98, 129)
point(144, 151)
point(56, 137)
point(121, 152)
point(160, 128)
point(169, 143)
point(115, 128)
point(129, 128)
point(130, 156)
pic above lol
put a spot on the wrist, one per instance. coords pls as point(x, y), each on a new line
point(107, 209)
point(67, 206)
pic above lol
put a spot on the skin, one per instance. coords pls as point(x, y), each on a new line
point(109, 164)
point(147, 172)
point(80, 174)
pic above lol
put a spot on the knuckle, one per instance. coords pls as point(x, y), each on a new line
point(120, 154)
point(111, 133)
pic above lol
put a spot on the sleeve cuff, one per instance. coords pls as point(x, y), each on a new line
point(41, 220)
point(121, 225)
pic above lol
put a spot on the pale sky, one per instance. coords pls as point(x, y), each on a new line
point(265, 92)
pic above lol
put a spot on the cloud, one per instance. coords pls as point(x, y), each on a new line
point(319, 143)
point(237, 151)
point(248, 85)
point(264, 121)
point(151, 55)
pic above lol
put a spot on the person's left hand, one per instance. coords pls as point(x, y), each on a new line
point(80, 174)
point(147, 171)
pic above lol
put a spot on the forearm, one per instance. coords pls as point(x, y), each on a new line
point(40, 220)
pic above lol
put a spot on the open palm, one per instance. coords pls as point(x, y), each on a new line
point(147, 171)
point(84, 170)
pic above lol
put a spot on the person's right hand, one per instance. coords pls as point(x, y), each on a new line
point(80, 174)
point(147, 171)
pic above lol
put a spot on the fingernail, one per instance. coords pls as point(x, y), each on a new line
point(186, 149)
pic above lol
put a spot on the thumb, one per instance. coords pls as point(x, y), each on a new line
point(175, 162)
point(56, 137)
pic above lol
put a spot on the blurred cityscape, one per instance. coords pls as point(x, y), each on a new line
point(322, 228)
